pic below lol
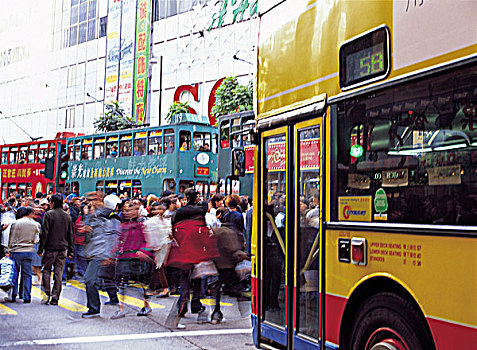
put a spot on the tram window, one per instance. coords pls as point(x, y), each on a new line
point(31, 155)
point(22, 155)
point(224, 134)
point(184, 140)
point(4, 192)
point(416, 161)
point(21, 187)
point(4, 159)
point(70, 150)
point(169, 185)
point(203, 188)
point(29, 189)
point(87, 150)
point(42, 153)
point(13, 155)
point(185, 184)
point(215, 143)
point(111, 187)
point(99, 186)
point(51, 150)
point(77, 154)
point(202, 141)
point(50, 186)
point(125, 146)
point(112, 147)
point(137, 188)
point(169, 143)
point(99, 148)
point(155, 142)
point(140, 146)
point(12, 189)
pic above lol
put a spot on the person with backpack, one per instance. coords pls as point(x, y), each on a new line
point(101, 232)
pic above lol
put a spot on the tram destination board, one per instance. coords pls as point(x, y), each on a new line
point(364, 59)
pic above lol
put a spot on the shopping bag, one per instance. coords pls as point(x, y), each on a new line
point(7, 271)
point(204, 269)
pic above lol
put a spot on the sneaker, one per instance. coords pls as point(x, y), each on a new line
point(112, 302)
point(90, 314)
point(118, 314)
point(178, 324)
point(45, 301)
point(145, 311)
point(26, 301)
point(53, 301)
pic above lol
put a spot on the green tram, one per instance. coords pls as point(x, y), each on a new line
point(148, 160)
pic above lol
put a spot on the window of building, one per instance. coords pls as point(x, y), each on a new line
point(125, 146)
point(411, 151)
point(169, 144)
point(184, 140)
point(168, 8)
point(202, 141)
point(155, 142)
point(70, 118)
point(103, 26)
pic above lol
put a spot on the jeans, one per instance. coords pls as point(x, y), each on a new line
point(80, 261)
point(91, 280)
point(184, 292)
point(23, 263)
point(56, 259)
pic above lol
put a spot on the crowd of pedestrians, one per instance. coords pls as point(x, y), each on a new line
point(181, 244)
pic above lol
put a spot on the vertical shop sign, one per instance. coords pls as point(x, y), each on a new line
point(143, 31)
point(112, 51)
point(126, 56)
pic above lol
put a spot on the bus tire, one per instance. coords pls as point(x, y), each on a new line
point(388, 321)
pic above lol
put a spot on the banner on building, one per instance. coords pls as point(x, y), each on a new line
point(112, 52)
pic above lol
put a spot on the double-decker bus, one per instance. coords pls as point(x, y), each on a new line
point(146, 160)
point(22, 166)
point(234, 133)
point(366, 238)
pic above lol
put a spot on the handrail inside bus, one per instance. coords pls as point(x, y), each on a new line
point(277, 233)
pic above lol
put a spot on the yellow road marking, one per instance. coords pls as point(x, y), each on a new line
point(123, 298)
point(6, 310)
point(63, 302)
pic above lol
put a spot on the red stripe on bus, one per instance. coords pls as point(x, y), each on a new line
point(335, 306)
point(254, 295)
point(449, 335)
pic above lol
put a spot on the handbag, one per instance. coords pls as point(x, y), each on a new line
point(243, 269)
point(204, 269)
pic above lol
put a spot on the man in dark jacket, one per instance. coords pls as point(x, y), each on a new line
point(56, 243)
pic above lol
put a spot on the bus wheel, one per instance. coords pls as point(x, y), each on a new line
point(387, 321)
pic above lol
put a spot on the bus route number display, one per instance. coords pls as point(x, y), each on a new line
point(364, 59)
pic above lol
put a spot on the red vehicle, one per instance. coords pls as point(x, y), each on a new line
point(22, 165)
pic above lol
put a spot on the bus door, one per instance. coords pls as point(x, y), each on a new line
point(290, 235)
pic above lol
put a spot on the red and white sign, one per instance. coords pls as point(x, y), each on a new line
point(249, 159)
point(276, 156)
point(310, 154)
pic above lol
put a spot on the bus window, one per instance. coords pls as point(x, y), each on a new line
point(169, 143)
point(125, 188)
point(202, 141)
point(99, 186)
point(99, 148)
point(87, 150)
point(51, 150)
point(224, 134)
point(185, 184)
point(203, 188)
point(22, 155)
point(125, 146)
point(13, 155)
point(21, 187)
point(169, 185)
point(111, 187)
point(32, 153)
point(112, 147)
point(184, 140)
point(12, 189)
point(140, 142)
point(155, 142)
point(411, 151)
point(4, 159)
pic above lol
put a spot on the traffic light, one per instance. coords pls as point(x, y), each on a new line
point(63, 168)
point(49, 171)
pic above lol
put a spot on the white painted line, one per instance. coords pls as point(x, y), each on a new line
point(111, 338)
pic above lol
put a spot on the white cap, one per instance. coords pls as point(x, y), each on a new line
point(111, 201)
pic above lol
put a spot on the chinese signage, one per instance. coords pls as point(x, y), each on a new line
point(276, 156)
point(356, 208)
point(310, 154)
point(226, 14)
point(445, 175)
point(202, 171)
point(126, 56)
point(249, 159)
point(143, 23)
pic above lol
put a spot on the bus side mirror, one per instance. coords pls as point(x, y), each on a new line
point(238, 162)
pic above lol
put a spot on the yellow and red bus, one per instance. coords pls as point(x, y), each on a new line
point(365, 175)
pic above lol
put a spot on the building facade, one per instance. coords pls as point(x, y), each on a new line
point(53, 58)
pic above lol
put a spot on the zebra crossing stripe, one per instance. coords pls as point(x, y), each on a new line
point(4, 310)
point(63, 302)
